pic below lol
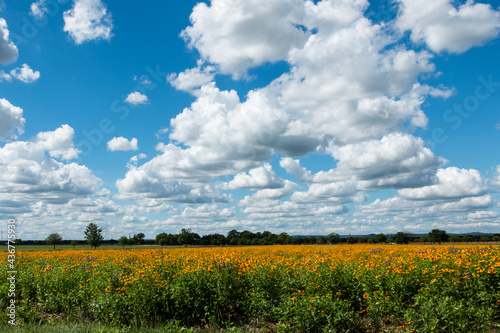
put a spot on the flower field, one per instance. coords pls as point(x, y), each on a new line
point(303, 288)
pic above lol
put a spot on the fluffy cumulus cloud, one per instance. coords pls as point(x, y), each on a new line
point(396, 160)
point(445, 27)
point(236, 36)
point(32, 171)
point(8, 50)
point(25, 74)
point(122, 144)
point(353, 93)
point(261, 177)
point(136, 98)
point(88, 20)
point(452, 183)
point(191, 79)
point(11, 120)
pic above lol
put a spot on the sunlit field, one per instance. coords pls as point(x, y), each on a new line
point(337, 288)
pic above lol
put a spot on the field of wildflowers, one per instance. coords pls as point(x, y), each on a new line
point(337, 288)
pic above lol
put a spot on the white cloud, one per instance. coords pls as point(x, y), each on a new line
point(28, 175)
point(209, 212)
point(39, 8)
point(4, 76)
point(453, 183)
point(335, 193)
point(136, 98)
point(88, 20)
point(257, 178)
point(122, 144)
point(25, 74)
point(238, 35)
point(11, 120)
point(135, 159)
point(8, 50)
point(444, 27)
point(192, 79)
point(58, 143)
point(293, 167)
point(396, 160)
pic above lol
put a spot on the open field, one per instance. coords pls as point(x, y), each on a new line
point(356, 288)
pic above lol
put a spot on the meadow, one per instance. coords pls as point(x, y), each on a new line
point(317, 288)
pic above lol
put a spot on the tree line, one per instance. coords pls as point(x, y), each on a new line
point(234, 237)
point(93, 236)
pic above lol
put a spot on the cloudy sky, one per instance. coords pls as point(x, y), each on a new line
point(307, 117)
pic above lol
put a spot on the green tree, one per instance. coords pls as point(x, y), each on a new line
point(423, 239)
point(438, 236)
point(334, 238)
point(232, 237)
point(401, 238)
point(74, 243)
point(123, 241)
point(139, 238)
point(467, 239)
point(351, 240)
point(53, 239)
point(18, 241)
point(93, 235)
point(283, 238)
point(454, 239)
point(159, 237)
point(187, 237)
point(380, 238)
point(485, 239)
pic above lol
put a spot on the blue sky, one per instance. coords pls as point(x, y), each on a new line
point(290, 116)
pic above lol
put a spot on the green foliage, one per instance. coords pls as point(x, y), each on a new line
point(123, 241)
point(380, 238)
point(334, 238)
point(438, 236)
point(93, 235)
point(401, 238)
point(53, 239)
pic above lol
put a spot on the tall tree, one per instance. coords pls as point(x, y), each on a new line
point(93, 235)
point(53, 239)
point(401, 238)
point(334, 238)
point(123, 241)
point(187, 237)
point(380, 238)
point(139, 238)
point(438, 236)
